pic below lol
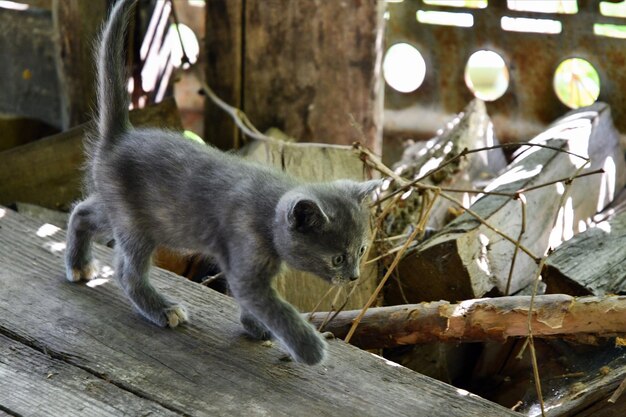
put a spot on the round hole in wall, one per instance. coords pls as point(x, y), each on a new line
point(189, 42)
point(404, 68)
point(486, 75)
point(576, 83)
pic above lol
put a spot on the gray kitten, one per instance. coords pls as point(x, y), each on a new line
point(152, 187)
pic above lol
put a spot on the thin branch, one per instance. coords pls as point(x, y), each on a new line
point(531, 341)
point(238, 116)
point(565, 180)
point(518, 242)
point(618, 392)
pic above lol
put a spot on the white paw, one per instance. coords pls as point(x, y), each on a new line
point(86, 273)
point(176, 315)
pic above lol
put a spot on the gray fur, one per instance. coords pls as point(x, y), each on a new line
point(152, 187)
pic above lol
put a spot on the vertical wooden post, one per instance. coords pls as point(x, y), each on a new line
point(224, 43)
point(312, 69)
point(76, 23)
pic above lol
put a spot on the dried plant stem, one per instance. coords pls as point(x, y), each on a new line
point(566, 180)
point(238, 116)
point(320, 301)
point(374, 161)
point(518, 242)
point(618, 392)
point(531, 341)
point(417, 182)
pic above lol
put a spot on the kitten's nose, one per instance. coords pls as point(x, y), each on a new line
point(354, 278)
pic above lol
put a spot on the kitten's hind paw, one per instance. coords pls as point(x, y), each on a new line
point(176, 315)
point(85, 273)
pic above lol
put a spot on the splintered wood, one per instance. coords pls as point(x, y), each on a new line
point(469, 258)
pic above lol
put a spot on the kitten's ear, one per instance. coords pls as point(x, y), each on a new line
point(306, 214)
point(366, 188)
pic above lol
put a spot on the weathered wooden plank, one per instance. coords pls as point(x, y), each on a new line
point(205, 368)
point(224, 48)
point(76, 25)
point(34, 384)
point(28, 76)
point(468, 259)
point(48, 172)
point(592, 262)
point(18, 130)
point(311, 76)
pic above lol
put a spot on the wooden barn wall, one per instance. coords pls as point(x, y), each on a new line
point(309, 68)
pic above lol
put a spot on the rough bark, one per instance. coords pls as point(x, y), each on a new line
point(482, 319)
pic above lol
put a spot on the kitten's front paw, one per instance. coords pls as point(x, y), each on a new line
point(82, 273)
point(311, 349)
point(175, 315)
point(254, 328)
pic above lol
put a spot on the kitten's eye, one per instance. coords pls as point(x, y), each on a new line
point(338, 260)
point(362, 250)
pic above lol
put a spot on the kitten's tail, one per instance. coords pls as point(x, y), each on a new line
point(113, 100)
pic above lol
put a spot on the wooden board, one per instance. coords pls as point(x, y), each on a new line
point(312, 69)
point(593, 262)
point(29, 79)
point(224, 48)
point(48, 172)
point(77, 24)
point(205, 368)
point(35, 384)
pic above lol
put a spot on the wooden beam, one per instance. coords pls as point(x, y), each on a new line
point(482, 319)
point(49, 173)
point(29, 81)
point(206, 368)
point(77, 24)
point(312, 69)
point(40, 382)
point(224, 47)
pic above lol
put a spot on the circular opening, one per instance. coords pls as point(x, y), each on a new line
point(404, 68)
point(190, 43)
point(576, 83)
point(486, 75)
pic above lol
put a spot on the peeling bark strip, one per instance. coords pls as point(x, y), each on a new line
point(482, 319)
